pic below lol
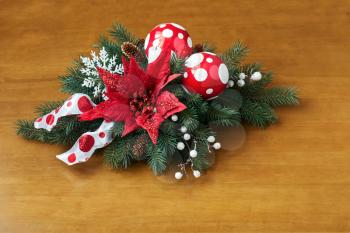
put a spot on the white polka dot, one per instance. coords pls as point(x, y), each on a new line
point(185, 75)
point(180, 35)
point(167, 33)
point(162, 25)
point(189, 42)
point(200, 75)
point(194, 60)
point(210, 53)
point(209, 60)
point(147, 40)
point(209, 91)
point(153, 53)
point(223, 73)
point(178, 26)
point(156, 43)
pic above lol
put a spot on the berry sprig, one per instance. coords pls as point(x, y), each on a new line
point(241, 79)
point(192, 152)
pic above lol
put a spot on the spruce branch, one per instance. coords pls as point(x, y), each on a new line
point(202, 162)
point(249, 69)
point(157, 159)
point(258, 114)
point(66, 132)
point(177, 90)
point(207, 47)
point(112, 48)
point(234, 55)
point(202, 133)
point(278, 96)
point(121, 34)
point(189, 118)
point(168, 142)
point(26, 129)
point(252, 89)
point(223, 116)
point(72, 82)
point(176, 64)
point(117, 154)
point(47, 107)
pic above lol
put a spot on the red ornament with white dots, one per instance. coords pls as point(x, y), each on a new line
point(205, 74)
point(168, 34)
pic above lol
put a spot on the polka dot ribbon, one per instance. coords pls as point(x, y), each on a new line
point(87, 143)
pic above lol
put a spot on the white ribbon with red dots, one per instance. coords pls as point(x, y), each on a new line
point(76, 104)
point(89, 141)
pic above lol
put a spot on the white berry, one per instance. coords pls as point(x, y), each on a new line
point(183, 129)
point(174, 117)
point(193, 153)
point(196, 173)
point(241, 76)
point(178, 175)
point(180, 146)
point(240, 83)
point(211, 139)
point(231, 83)
point(187, 136)
point(217, 145)
point(256, 76)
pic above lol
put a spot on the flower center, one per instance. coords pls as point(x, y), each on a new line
point(142, 105)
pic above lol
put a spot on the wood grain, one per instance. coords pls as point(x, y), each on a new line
point(292, 177)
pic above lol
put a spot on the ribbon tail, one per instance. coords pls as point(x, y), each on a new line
point(87, 143)
point(76, 104)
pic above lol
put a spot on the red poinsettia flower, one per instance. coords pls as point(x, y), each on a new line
point(136, 98)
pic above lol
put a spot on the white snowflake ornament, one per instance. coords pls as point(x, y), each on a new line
point(104, 61)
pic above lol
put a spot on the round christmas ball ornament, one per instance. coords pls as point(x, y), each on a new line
point(205, 74)
point(167, 34)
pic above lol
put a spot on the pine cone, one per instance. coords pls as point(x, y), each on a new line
point(140, 43)
point(130, 50)
point(198, 48)
point(139, 147)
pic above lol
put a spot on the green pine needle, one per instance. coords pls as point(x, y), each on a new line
point(278, 96)
point(121, 34)
point(47, 107)
point(72, 82)
point(233, 56)
point(207, 47)
point(223, 116)
point(252, 89)
point(26, 129)
point(189, 119)
point(112, 48)
point(157, 160)
point(117, 154)
point(258, 114)
point(177, 65)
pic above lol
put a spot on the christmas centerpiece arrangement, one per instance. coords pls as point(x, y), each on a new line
point(155, 99)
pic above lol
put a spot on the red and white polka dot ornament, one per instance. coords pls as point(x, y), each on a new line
point(168, 34)
point(205, 74)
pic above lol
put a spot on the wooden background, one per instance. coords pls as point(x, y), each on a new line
point(294, 176)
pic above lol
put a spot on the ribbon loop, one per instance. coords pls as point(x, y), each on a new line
point(76, 104)
point(87, 143)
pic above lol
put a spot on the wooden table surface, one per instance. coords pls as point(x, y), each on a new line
point(294, 176)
